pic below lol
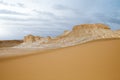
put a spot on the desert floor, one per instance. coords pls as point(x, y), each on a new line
point(97, 60)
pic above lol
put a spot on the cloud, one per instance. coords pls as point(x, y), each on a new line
point(108, 18)
point(21, 5)
point(19, 32)
point(5, 32)
point(61, 7)
point(11, 12)
point(13, 4)
point(37, 17)
point(65, 8)
point(45, 14)
point(22, 19)
point(2, 2)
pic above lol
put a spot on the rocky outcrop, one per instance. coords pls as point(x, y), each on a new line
point(86, 32)
point(37, 38)
point(30, 38)
point(10, 43)
point(34, 41)
point(65, 33)
point(79, 34)
point(91, 30)
point(44, 40)
point(118, 32)
point(90, 26)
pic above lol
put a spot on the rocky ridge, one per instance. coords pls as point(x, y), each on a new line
point(78, 35)
point(10, 43)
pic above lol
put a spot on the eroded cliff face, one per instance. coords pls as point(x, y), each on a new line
point(79, 34)
point(90, 26)
point(30, 38)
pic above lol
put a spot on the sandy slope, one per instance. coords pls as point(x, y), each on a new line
point(99, 60)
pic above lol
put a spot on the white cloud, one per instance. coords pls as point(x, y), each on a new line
point(55, 16)
point(4, 32)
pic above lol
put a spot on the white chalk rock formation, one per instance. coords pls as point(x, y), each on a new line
point(79, 34)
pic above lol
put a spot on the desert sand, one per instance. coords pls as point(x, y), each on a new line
point(96, 60)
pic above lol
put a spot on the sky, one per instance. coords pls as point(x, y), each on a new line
point(51, 17)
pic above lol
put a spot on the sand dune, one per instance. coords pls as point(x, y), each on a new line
point(98, 60)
